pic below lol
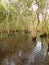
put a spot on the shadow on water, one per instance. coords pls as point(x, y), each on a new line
point(22, 50)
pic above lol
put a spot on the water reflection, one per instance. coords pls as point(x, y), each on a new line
point(8, 62)
point(21, 50)
point(39, 46)
point(37, 54)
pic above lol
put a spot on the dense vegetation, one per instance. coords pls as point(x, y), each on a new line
point(31, 15)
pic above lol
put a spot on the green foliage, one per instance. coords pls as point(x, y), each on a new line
point(42, 2)
point(2, 12)
point(2, 8)
point(2, 17)
point(18, 14)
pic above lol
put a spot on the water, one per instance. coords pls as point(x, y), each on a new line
point(22, 50)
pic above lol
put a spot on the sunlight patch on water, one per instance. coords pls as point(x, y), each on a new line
point(20, 53)
point(38, 46)
point(48, 53)
point(12, 63)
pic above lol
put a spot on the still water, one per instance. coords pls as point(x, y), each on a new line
point(22, 50)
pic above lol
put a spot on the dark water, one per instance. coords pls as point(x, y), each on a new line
point(22, 50)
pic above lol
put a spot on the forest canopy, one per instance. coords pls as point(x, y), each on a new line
point(32, 15)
